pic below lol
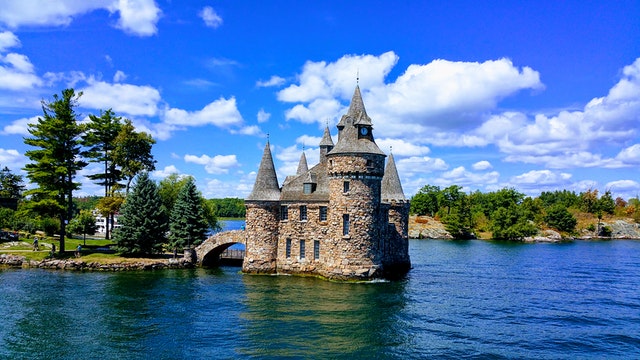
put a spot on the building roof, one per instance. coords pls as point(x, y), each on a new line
point(348, 140)
point(391, 187)
point(302, 165)
point(292, 189)
point(266, 186)
point(326, 138)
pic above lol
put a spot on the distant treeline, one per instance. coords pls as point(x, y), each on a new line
point(511, 215)
point(228, 207)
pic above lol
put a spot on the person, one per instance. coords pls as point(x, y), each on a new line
point(53, 250)
point(36, 247)
point(78, 249)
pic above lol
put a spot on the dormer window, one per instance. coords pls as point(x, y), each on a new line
point(308, 188)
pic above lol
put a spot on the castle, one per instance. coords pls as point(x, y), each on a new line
point(345, 218)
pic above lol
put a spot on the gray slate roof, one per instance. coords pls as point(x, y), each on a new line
point(302, 165)
point(391, 187)
point(348, 141)
point(292, 189)
point(326, 138)
point(266, 186)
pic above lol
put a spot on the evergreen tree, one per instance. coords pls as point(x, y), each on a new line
point(143, 220)
point(100, 138)
point(56, 159)
point(560, 218)
point(11, 185)
point(188, 225)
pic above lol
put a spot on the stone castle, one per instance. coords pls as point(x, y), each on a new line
point(345, 218)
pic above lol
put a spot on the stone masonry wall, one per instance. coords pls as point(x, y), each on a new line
point(262, 236)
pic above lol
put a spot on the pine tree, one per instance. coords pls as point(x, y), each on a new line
point(56, 159)
point(143, 220)
point(188, 225)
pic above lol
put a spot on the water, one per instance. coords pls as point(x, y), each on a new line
point(461, 300)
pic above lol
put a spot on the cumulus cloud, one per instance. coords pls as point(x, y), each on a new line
point(8, 40)
point(222, 113)
point(400, 147)
point(10, 157)
point(420, 164)
point(19, 127)
point(17, 72)
point(574, 138)
point(137, 17)
point(119, 76)
point(219, 164)
point(263, 116)
point(273, 81)
point(210, 17)
point(165, 172)
point(482, 165)
point(122, 98)
point(463, 177)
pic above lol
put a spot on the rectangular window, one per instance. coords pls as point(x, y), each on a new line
point(323, 213)
point(345, 224)
point(302, 249)
point(303, 213)
point(307, 188)
point(345, 187)
point(316, 249)
point(284, 212)
point(288, 249)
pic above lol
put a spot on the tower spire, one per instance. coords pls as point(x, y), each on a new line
point(266, 186)
point(391, 186)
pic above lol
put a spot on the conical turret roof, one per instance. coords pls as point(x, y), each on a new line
point(302, 165)
point(391, 187)
point(266, 186)
point(326, 138)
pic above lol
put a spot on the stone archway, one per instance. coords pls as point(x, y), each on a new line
point(208, 253)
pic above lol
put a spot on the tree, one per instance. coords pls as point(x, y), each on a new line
point(426, 201)
point(606, 203)
point(99, 137)
point(11, 185)
point(143, 220)
point(169, 188)
point(589, 200)
point(451, 196)
point(188, 225)
point(56, 159)
point(560, 218)
point(132, 152)
point(511, 224)
point(84, 223)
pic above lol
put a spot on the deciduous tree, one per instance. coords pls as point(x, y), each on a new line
point(132, 152)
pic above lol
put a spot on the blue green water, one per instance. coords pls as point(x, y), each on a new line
point(461, 300)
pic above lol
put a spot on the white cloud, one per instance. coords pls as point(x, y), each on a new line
point(222, 113)
point(8, 40)
point(273, 81)
point(241, 187)
point(219, 164)
point(168, 170)
point(137, 17)
point(263, 116)
point(460, 176)
point(318, 111)
point(17, 73)
point(248, 130)
point(119, 77)
point(210, 17)
point(630, 155)
point(541, 178)
point(12, 159)
point(122, 98)
point(19, 127)
point(482, 165)
point(400, 147)
point(420, 164)
point(630, 187)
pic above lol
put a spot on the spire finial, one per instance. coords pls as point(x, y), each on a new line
point(390, 148)
point(358, 76)
point(267, 137)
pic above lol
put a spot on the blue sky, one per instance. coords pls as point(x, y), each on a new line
point(535, 95)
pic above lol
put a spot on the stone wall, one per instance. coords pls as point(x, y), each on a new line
point(262, 220)
point(79, 265)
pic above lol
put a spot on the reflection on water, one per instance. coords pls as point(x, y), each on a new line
point(312, 318)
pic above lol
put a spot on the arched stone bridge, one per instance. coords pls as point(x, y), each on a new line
point(208, 253)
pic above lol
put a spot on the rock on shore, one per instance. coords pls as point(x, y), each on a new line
point(68, 264)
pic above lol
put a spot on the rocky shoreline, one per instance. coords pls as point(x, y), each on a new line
point(426, 227)
point(16, 261)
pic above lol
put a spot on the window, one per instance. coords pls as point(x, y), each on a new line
point(345, 224)
point(303, 213)
point(345, 186)
point(307, 188)
point(288, 249)
point(316, 249)
point(284, 212)
point(323, 213)
point(302, 249)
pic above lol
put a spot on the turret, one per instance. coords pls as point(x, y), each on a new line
point(262, 219)
point(397, 258)
point(326, 144)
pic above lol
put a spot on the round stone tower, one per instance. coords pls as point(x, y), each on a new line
point(357, 223)
point(262, 219)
